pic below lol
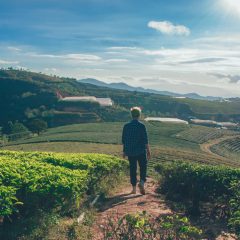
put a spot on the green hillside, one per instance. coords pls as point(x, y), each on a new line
point(169, 142)
point(28, 95)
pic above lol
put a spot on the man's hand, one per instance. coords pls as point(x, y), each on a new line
point(148, 155)
point(148, 152)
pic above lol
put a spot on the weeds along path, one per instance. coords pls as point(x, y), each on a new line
point(122, 202)
point(206, 147)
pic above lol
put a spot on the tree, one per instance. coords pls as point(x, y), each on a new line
point(37, 125)
point(15, 130)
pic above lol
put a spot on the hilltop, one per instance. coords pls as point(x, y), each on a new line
point(28, 95)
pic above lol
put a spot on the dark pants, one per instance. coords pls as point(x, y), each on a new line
point(142, 162)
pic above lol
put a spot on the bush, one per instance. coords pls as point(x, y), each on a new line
point(201, 183)
point(45, 180)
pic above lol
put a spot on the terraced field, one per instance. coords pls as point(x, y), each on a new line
point(229, 148)
point(110, 133)
point(168, 141)
point(201, 134)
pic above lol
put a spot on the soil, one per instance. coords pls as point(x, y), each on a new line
point(123, 202)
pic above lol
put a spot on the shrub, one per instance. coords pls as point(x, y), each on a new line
point(44, 180)
point(202, 183)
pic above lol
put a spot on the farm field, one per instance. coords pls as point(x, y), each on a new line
point(110, 133)
point(168, 141)
point(201, 134)
point(229, 148)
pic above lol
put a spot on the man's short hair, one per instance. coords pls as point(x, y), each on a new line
point(135, 112)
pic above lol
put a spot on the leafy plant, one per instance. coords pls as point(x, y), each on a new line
point(45, 180)
point(143, 226)
point(196, 183)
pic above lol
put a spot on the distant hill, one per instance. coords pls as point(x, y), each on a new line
point(28, 95)
point(124, 86)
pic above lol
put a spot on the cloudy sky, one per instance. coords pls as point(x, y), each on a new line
point(175, 45)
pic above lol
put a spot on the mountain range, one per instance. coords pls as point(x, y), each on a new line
point(124, 86)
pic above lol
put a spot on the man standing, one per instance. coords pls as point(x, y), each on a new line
point(136, 148)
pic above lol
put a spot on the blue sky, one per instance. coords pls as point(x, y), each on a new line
point(183, 46)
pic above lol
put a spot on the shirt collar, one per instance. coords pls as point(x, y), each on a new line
point(135, 120)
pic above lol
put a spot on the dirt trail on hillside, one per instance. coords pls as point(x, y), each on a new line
point(206, 147)
point(122, 203)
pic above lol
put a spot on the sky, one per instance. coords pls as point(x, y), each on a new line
point(175, 45)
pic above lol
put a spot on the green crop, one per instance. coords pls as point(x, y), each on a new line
point(43, 180)
point(203, 183)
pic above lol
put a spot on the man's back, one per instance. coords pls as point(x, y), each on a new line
point(134, 138)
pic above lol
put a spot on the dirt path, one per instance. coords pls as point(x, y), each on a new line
point(206, 147)
point(122, 203)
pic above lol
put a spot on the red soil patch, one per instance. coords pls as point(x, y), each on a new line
point(122, 203)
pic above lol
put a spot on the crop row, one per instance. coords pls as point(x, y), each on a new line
point(42, 180)
point(196, 184)
point(231, 144)
point(202, 134)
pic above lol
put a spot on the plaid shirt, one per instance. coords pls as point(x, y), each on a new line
point(134, 138)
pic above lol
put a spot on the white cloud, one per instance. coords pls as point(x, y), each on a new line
point(50, 69)
point(8, 62)
point(116, 60)
point(122, 48)
point(72, 56)
point(168, 28)
point(231, 6)
point(11, 48)
point(86, 57)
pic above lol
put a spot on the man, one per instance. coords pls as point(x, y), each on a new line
point(136, 148)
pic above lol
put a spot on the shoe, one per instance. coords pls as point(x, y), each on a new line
point(141, 188)
point(134, 191)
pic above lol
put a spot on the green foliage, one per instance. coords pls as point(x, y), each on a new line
point(234, 220)
point(201, 183)
point(16, 130)
point(33, 90)
point(44, 180)
point(142, 226)
point(37, 125)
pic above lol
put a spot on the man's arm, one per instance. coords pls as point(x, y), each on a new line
point(123, 141)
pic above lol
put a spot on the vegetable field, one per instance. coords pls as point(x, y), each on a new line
point(44, 180)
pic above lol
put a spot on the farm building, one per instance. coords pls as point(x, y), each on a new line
point(211, 123)
point(104, 102)
point(227, 124)
point(168, 120)
point(208, 123)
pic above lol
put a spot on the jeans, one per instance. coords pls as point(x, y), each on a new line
point(142, 162)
